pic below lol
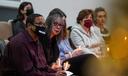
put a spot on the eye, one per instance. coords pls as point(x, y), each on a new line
point(55, 23)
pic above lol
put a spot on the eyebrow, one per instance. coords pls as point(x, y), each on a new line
point(39, 23)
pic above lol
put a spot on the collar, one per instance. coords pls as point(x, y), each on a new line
point(28, 37)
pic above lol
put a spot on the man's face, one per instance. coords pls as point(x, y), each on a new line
point(39, 25)
point(101, 18)
point(39, 21)
point(58, 25)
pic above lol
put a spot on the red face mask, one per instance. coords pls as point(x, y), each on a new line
point(87, 23)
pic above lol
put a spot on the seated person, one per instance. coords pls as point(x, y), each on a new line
point(66, 47)
point(25, 53)
point(91, 46)
point(100, 21)
point(82, 35)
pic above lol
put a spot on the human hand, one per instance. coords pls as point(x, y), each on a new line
point(77, 51)
point(66, 66)
point(56, 67)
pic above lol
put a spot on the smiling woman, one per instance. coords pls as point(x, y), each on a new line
point(10, 3)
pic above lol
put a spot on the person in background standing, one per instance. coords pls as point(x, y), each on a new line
point(25, 9)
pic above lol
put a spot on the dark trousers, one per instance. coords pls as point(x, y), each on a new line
point(84, 65)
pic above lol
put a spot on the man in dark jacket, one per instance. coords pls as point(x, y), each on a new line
point(26, 53)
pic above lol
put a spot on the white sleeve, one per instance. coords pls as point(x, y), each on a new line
point(78, 41)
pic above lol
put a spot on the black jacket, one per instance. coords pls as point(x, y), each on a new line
point(51, 49)
point(17, 26)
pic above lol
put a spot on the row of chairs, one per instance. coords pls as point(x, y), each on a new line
point(5, 30)
point(5, 33)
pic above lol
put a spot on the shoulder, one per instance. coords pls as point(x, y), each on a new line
point(95, 28)
point(17, 23)
point(19, 38)
point(75, 28)
point(74, 32)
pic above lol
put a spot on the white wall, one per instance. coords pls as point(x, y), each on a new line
point(70, 7)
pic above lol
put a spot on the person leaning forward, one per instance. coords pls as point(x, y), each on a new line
point(25, 52)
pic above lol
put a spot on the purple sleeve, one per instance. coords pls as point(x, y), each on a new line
point(18, 53)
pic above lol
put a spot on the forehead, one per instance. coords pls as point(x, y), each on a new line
point(88, 16)
point(101, 13)
point(39, 19)
point(28, 6)
point(59, 20)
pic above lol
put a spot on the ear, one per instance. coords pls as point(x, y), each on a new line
point(81, 21)
point(33, 28)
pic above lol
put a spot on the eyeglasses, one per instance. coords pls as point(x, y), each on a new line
point(58, 24)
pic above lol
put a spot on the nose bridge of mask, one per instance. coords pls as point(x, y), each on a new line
point(42, 32)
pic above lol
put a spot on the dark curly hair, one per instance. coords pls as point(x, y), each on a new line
point(20, 16)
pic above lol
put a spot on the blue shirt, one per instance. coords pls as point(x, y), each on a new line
point(65, 48)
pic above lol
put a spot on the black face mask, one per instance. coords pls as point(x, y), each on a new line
point(42, 35)
point(29, 11)
point(40, 31)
